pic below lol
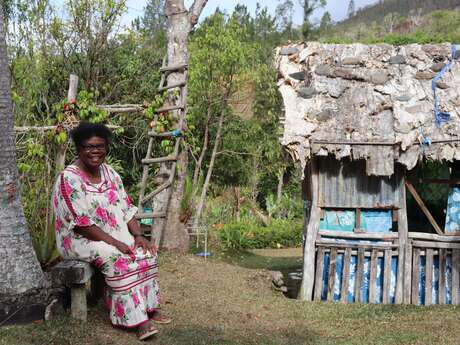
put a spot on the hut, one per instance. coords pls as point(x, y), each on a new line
point(360, 120)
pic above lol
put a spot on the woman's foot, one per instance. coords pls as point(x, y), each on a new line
point(146, 330)
point(160, 318)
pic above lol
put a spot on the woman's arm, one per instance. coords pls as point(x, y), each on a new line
point(94, 233)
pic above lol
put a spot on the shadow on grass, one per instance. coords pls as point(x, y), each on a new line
point(252, 260)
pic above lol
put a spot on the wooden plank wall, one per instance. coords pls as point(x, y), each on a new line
point(360, 251)
point(429, 252)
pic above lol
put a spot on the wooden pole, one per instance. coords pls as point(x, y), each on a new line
point(423, 207)
point(59, 161)
point(306, 290)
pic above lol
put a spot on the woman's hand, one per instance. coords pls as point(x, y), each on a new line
point(124, 248)
point(141, 242)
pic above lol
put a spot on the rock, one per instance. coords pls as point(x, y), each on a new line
point(298, 75)
point(288, 50)
point(344, 73)
point(351, 61)
point(415, 109)
point(336, 87)
point(397, 60)
point(325, 115)
point(424, 75)
point(277, 278)
point(323, 70)
point(457, 102)
point(379, 77)
point(436, 67)
point(442, 85)
point(457, 54)
point(306, 92)
point(403, 98)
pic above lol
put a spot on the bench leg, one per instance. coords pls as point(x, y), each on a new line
point(78, 299)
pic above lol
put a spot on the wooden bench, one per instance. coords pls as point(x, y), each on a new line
point(75, 274)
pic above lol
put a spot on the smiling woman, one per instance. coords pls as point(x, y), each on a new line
point(95, 222)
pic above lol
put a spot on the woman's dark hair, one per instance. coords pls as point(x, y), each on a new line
point(87, 130)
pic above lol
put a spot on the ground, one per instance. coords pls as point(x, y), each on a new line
point(228, 300)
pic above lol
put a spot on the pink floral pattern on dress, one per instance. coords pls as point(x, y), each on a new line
point(121, 265)
point(119, 309)
point(58, 224)
point(101, 213)
point(112, 197)
point(67, 243)
point(135, 299)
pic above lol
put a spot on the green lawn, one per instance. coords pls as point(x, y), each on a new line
point(228, 300)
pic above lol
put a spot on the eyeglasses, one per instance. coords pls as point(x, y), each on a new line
point(92, 148)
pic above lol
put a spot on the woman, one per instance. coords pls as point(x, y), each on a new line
point(95, 222)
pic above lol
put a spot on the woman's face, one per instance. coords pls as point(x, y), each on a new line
point(93, 151)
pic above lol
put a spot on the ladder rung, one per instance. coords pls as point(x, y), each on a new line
point(172, 86)
point(173, 68)
point(174, 134)
point(150, 215)
point(156, 191)
point(159, 159)
point(166, 109)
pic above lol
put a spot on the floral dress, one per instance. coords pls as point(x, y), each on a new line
point(133, 289)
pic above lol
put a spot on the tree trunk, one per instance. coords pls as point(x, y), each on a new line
point(180, 23)
point(204, 149)
point(21, 272)
point(279, 189)
point(204, 191)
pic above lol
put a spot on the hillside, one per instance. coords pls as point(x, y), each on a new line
point(376, 12)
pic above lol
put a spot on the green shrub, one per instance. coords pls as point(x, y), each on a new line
point(250, 235)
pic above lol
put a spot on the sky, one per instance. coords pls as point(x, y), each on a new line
point(337, 8)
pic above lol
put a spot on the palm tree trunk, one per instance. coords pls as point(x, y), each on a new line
point(21, 272)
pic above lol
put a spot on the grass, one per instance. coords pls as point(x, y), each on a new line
point(228, 300)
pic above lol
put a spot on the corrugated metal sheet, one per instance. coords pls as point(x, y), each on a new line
point(344, 184)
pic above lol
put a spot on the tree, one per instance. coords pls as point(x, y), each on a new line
point(309, 6)
point(326, 23)
point(351, 9)
point(284, 12)
point(180, 23)
point(21, 273)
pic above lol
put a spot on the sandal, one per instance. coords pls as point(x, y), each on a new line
point(160, 318)
point(147, 333)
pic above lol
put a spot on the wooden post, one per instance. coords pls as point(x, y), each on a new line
point(59, 161)
point(403, 280)
point(428, 276)
point(455, 275)
point(306, 290)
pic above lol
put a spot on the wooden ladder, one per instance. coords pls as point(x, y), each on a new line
point(168, 163)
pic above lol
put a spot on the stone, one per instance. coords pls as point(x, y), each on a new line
point(288, 50)
point(323, 70)
point(379, 77)
point(403, 98)
point(397, 60)
point(424, 75)
point(343, 73)
point(415, 109)
point(336, 87)
point(298, 75)
point(436, 67)
point(325, 115)
point(306, 92)
point(351, 61)
point(442, 85)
